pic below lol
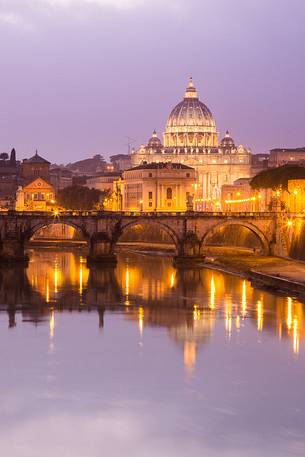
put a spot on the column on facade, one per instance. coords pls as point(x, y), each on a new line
point(204, 184)
point(160, 196)
point(181, 203)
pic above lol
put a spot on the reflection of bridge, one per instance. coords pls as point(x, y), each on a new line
point(189, 231)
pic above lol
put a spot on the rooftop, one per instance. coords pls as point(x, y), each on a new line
point(161, 166)
point(36, 159)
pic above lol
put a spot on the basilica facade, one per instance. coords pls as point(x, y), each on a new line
point(191, 138)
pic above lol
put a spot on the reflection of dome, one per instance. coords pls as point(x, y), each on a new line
point(227, 141)
point(191, 111)
point(154, 141)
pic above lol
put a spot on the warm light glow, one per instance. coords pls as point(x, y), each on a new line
point(212, 293)
point(241, 200)
point(141, 320)
point(196, 313)
point(237, 322)
point(244, 298)
point(81, 279)
point(289, 313)
point(296, 342)
point(47, 290)
point(172, 280)
point(228, 320)
point(290, 223)
point(190, 350)
point(260, 315)
point(127, 286)
point(228, 324)
point(55, 279)
point(52, 323)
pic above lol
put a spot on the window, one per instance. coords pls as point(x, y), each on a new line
point(149, 195)
point(187, 175)
point(150, 204)
point(169, 193)
point(150, 175)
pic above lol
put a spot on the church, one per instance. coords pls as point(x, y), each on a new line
point(191, 138)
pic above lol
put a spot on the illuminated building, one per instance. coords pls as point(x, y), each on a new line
point(280, 157)
point(158, 187)
point(295, 197)
point(191, 138)
point(103, 181)
point(38, 195)
point(240, 196)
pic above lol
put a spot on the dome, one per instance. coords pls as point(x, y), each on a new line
point(227, 141)
point(191, 112)
point(154, 141)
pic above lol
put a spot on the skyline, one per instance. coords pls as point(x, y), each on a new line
point(75, 87)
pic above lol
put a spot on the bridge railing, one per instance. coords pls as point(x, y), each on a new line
point(152, 214)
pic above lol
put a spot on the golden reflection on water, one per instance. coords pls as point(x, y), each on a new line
point(188, 303)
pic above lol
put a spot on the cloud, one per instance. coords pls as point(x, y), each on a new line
point(120, 4)
point(10, 19)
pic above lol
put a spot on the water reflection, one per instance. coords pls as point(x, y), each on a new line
point(150, 292)
point(146, 360)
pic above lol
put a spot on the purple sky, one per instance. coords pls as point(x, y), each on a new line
point(78, 76)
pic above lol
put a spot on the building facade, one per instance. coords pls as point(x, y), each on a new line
point(279, 157)
point(38, 195)
point(121, 162)
point(60, 178)
point(191, 138)
point(158, 187)
point(103, 181)
point(35, 167)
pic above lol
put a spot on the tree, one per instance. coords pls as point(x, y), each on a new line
point(79, 197)
point(274, 178)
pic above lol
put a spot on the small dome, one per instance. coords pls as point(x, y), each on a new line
point(227, 141)
point(154, 141)
point(191, 112)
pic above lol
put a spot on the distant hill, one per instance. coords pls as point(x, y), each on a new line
point(91, 166)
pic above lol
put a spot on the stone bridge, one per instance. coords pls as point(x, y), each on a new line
point(190, 231)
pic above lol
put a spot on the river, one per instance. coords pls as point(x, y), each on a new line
point(144, 360)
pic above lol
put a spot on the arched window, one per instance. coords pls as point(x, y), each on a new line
point(169, 193)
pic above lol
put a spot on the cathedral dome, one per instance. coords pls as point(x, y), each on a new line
point(191, 112)
point(154, 141)
point(227, 141)
point(191, 123)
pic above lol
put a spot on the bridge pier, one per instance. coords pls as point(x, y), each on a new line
point(189, 252)
point(101, 251)
point(12, 250)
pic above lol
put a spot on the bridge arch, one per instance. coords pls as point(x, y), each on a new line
point(148, 223)
point(264, 242)
point(34, 229)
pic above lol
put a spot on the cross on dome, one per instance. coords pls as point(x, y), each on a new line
point(191, 91)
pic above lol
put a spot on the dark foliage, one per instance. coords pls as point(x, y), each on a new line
point(79, 198)
point(277, 177)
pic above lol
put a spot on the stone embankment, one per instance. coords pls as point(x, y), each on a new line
point(276, 274)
